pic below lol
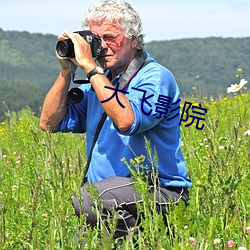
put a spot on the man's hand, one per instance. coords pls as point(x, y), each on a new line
point(83, 54)
point(66, 63)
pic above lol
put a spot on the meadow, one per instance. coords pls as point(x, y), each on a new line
point(40, 172)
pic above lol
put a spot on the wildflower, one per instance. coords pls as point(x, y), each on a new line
point(216, 241)
point(237, 87)
point(240, 70)
point(192, 240)
point(248, 230)
point(132, 162)
point(14, 188)
point(242, 248)
point(123, 160)
point(198, 182)
point(138, 159)
point(22, 210)
point(230, 244)
point(247, 133)
point(221, 147)
point(45, 216)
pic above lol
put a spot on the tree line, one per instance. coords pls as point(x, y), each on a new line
point(202, 67)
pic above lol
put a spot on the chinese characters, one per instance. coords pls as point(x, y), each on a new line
point(165, 108)
point(116, 89)
point(196, 111)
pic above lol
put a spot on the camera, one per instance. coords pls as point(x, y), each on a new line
point(65, 48)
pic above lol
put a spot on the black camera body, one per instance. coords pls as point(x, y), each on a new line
point(65, 48)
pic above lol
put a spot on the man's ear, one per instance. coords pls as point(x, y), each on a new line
point(134, 42)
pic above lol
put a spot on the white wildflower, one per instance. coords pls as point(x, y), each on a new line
point(247, 133)
point(217, 241)
point(242, 248)
point(237, 87)
point(22, 210)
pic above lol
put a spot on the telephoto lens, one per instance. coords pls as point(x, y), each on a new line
point(65, 48)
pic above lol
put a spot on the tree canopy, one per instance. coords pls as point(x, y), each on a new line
point(28, 66)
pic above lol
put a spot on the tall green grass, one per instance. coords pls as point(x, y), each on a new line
point(40, 172)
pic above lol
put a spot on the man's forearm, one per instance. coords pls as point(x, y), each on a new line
point(123, 117)
point(55, 103)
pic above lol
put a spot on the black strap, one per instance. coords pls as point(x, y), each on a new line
point(97, 132)
point(136, 64)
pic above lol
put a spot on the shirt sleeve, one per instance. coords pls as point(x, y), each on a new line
point(75, 117)
point(153, 82)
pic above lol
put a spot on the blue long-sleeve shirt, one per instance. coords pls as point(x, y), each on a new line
point(151, 92)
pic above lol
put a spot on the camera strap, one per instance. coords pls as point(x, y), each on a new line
point(97, 132)
point(136, 64)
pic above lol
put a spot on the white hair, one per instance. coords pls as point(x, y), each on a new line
point(120, 13)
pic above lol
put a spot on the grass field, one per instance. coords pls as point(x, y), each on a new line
point(40, 172)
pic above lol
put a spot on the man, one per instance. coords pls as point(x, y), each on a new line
point(140, 98)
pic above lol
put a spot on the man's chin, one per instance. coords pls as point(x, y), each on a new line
point(105, 63)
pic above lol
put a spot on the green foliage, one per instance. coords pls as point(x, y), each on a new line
point(28, 58)
point(40, 172)
point(28, 68)
point(212, 60)
point(14, 95)
point(36, 184)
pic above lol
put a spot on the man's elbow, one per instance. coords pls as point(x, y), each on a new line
point(125, 125)
point(45, 126)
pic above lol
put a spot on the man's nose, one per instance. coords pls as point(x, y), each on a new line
point(104, 44)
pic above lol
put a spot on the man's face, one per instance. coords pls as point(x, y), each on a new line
point(118, 50)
